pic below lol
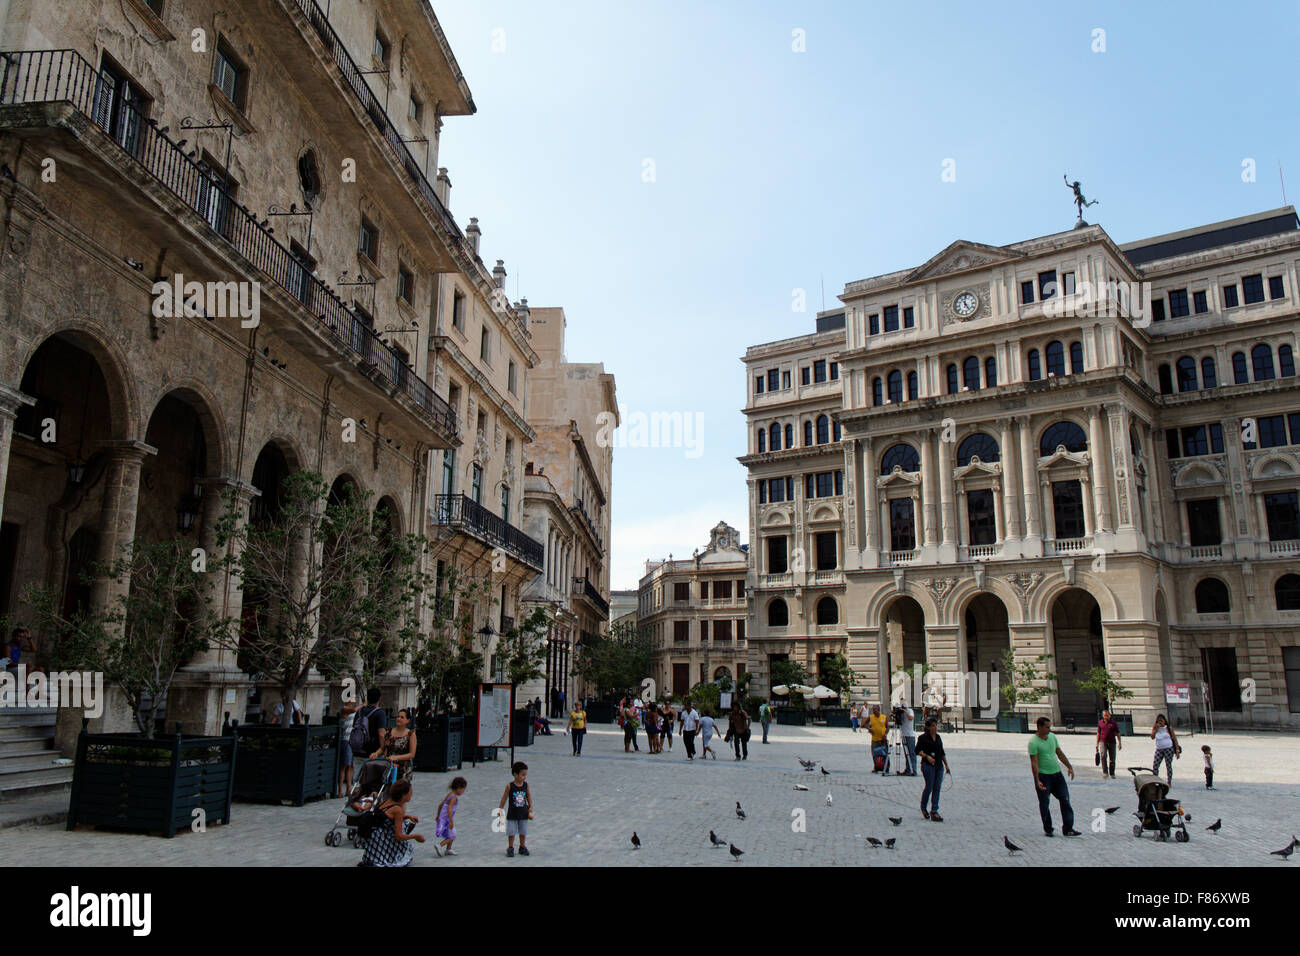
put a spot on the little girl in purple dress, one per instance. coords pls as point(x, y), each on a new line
point(446, 827)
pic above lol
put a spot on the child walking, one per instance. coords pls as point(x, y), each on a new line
point(1209, 767)
point(446, 827)
point(517, 800)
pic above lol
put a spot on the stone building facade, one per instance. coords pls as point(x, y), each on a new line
point(694, 613)
point(1039, 456)
point(278, 147)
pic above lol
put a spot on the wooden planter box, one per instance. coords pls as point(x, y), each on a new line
point(1013, 723)
point(521, 733)
point(440, 744)
point(792, 716)
point(129, 781)
point(287, 763)
point(835, 716)
point(1125, 722)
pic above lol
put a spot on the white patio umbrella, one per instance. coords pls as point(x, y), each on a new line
point(780, 690)
point(821, 692)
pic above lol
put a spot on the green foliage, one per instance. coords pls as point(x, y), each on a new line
point(838, 675)
point(615, 664)
point(1101, 681)
point(790, 672)
point(706, 697)
point(1025, 682)
point(522, 649)
point(443, 661)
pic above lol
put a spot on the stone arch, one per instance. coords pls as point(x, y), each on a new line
point(390, 503)
point(1042, 597)
point(959, 597)
point(984, 631)
point(123, 396)
point(1273, 465)
point(879, 601)
point(200, 398)
point(1076, 640)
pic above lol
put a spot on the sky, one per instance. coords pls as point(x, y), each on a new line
point(673, 173)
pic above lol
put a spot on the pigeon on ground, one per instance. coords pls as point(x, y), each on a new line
point(1009, 845)
point(1286, 851)
point(636, 841)
point(1111, 809)
point(799, 786)
point(1216, 825)
point(825, 772)
point(716, 840)
point(739, 812)
point(828, 800)
point(874, 842)
point(890, 842)
point(736, 854)
point(896, 820)
point(807, 764)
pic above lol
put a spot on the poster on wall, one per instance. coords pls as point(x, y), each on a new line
point(496, 702)
point(1176, 693)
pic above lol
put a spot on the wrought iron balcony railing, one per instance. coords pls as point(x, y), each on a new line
point(467, 515)
point(580, 513)
point(582, 587)
point(51, 76)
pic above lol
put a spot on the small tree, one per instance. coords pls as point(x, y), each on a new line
point(160, 618)
point(1101, 681)
point(616, 663)
point(1021, 680)
point(790, 673)
point(838, 675)
point(523, 650)
point(442, 658)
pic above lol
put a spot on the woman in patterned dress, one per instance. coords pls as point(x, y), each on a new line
point(389, 841)
point(398, 745)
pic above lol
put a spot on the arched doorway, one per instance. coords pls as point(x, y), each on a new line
point(987, 637)
point(902, 639)
point(1077, 648)
point(270, 469)
point(170, 481)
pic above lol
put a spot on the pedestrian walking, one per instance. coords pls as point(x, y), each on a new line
point(1045, 759)
point(707, 729)
point(666, 718)
point(738, 727)
point(651, 714)
point(1108, 740)
point(577, 726)
point(630, 725)
point(1167, 748)
point(517, 801)
point(347, 717)
point(765, 718)
point(690, 727)
point(853, 716)
point(878, 724)
point(934, 763)
point(446, 825)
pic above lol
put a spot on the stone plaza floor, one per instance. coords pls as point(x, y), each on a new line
point(587, 808)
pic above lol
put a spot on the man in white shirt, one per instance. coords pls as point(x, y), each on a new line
point(907, 730)
point(690, 718)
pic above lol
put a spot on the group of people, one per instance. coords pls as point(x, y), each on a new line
point(660, 718)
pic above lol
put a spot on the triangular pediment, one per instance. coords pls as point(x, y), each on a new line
point(961, 256)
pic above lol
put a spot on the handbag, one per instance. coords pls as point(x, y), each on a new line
point(1097, 758)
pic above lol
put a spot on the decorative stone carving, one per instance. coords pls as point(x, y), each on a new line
point(939, 587)
point(1024, 582)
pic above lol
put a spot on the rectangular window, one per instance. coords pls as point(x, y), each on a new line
point(368, 244)
point(827, 557)
point(805, 375)
point(773, 379)
point(217, 192)
point(1275, 287)
point(476, 486)
point(902, 528)
point(809, 490)
point(909, 317)
point(979, 508)
point(1252, 289)
point(819, 370)
point(704, 632)
point(458, 310)
point(722, 632)
point(681, 632)
point(1272, 431)
point(1067, 282)
point(873, 322)
point(414, 109)
point(722, 590)
point(776, 563)
point(825, 484)
point(399, 366)
point(1195, 441)
point(449, 471)
point(762, 492)
point(839, 481)
point(505, 504)
point(1178, 303)
point(1171, 443)
point(485, 344)
point(1283, 515)
point(1230, 296)
point(1203, 522)
point(891, 318)
point(120, 106)
point(785, 379)
point(1200, 303)
point(758, 385)
point(1027, 292)
point(1216, 438)
point(1294, 421)
point(1067, 507)
point(681, 591)
point(776, 489)
point(1047, 284)
point(380, 49)
point(1157, 310)
point(405, 285)
point(229, 76)
point(835, 371)
point(300, 269)
point(512, 378)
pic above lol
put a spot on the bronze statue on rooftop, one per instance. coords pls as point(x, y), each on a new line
point(1080, 202)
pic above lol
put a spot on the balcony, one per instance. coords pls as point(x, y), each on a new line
point(467, 516)
point(902, 557)
point(825, 578)
point(580, 513)
point(1209, 552)
point(64, 76)
point(583, 588)
point(783, 580)
point(979, 552)
point(1054, 546)
point(1284, 547)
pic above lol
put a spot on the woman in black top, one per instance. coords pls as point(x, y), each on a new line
point(933, 763)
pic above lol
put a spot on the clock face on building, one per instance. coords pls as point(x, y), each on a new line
point(965, 305)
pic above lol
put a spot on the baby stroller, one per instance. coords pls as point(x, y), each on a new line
point(1155, 810)
point(370, 790)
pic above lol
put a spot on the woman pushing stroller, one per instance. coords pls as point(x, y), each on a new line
point(397, 745)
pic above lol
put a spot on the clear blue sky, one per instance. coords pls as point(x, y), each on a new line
point(776, 170)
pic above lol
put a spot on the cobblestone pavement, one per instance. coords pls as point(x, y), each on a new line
point(587, 808)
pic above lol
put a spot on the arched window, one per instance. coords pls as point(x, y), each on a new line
point(1261, 356)
point(1209, 373)
point(1186, 374)
point(1287, 592)
point(778, 615)
point(807, 428)
point(1063, 433)
point(912, 390)
point(828, 611)
point(1076, 358)
point(774, 437)
point(309, 176)
point(952, 380)
point(823, 429)
point(1166, 380)
point(895, 386)
point(1285, 362)
point(970, 374)
point(877, 391)
point(1035, 369)
point(1212, 597)
point(978, 444)
point(904, 456)
point(762, 439)
point(1239, 374)
point(1055, 358)
point(789, 436)
point(990, 372)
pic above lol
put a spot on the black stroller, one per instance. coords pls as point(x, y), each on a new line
point(371, 788)
point(1156, 812)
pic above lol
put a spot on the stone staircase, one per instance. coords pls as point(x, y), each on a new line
point(27, 754)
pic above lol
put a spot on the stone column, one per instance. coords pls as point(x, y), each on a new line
point(1089, 523)
point(999, 519)
point(1010, 509)
point(1029, 489)
point(929, 478)
point(1049, 512)
point(1126, 482)
point(870, 515)
point(10, 402)
point(946, 494)
point(1100, 487)
point(118, 512)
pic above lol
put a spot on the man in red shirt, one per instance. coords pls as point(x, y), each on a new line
point(1108, 739)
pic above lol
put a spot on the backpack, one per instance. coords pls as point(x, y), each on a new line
point(359, 738)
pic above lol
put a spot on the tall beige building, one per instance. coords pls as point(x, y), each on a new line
point(1036, 458)
point(573, 409)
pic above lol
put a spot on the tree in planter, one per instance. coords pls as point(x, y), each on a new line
point(522, 649)
point(324, 580)
point(1020, 680)
point(156, 623)
point(838, 675)
point(442, 658)
point(616, 663)
point(790, 673)
point(1101, 681)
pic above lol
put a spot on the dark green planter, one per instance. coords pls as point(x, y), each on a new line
point(1013, 723)
point(835, 716)
point(439, 742)
point(521, 728)
point(1125, 722)
point(297, 763)
point(129, 781)
point(792, 716)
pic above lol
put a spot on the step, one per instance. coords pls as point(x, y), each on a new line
point(28, 760)
point(28, 716)
point(26, 781)
point(20, 731)
point(27, 744)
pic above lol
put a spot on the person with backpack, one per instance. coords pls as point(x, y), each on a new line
point(765, 718)
point(738, 727)
point(369, 721)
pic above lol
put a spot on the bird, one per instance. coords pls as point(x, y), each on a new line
point(1216, 825)
point(713, 838)
point(890, 842)
point(1009, 845)
point(1286, 851)
point(1111, 809)
point(799, 786)
point(829, 800)
point(874, 842)
point(739, 812)
point(825, 772)
point(896, 820)
point(807, 764)
point(636, 841)
point(736, 854)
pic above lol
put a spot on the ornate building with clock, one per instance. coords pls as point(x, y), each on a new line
point(1062, 446)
